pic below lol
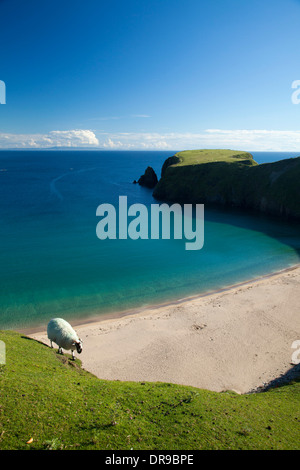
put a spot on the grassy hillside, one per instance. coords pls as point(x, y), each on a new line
point(194, 157)
point(231, 178)
point(49, 398)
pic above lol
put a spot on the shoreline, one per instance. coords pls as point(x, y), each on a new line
point(239, 338)
point(143, 309)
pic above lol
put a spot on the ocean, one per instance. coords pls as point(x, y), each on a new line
point(53, 265)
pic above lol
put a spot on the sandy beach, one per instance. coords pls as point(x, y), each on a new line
point(238, 339)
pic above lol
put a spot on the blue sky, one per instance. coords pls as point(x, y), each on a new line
point(150, 74)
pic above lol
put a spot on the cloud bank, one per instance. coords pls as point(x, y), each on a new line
point(259, 140)
point(72, 138)
point(239, 139)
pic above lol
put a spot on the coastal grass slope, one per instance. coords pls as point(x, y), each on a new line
point(194, 157)
point(48, 401)
point(231, 178)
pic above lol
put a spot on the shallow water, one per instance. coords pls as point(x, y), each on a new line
point(52, 263)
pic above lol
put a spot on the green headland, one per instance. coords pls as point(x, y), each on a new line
point(231, 178)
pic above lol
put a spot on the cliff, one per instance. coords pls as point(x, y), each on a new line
point(231, 178)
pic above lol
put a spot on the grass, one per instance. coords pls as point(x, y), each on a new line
point(50, 401)
point(195, 157)
point(231, 178)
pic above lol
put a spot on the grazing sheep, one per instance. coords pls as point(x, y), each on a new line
point(60, 332)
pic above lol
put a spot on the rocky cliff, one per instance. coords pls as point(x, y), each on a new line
point(232, 179)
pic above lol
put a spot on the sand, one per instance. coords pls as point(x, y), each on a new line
point(239, 339)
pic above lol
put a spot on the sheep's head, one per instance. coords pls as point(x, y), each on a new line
point(78, 345)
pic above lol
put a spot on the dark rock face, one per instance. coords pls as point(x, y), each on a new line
point(272, 188)
point(148, 179)
point(170, 161)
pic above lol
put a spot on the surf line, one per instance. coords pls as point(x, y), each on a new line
point(158, 225)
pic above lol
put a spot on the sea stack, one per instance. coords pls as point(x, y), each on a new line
point(149, 178)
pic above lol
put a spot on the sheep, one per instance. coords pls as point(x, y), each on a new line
point(61, 332)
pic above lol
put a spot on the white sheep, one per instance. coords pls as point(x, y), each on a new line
point(60, 332)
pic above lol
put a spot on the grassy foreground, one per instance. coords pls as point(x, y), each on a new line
point(52, 403)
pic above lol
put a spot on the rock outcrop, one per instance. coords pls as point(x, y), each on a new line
point(148, 179)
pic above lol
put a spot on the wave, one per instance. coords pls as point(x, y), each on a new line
point(53, 188)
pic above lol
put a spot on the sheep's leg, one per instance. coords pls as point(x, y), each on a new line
point(60, 351)
point(51, 345)
point(73, 357)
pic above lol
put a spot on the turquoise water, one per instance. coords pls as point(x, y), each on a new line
point(52, 263)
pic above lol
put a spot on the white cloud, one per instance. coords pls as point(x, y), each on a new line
point(257, 139)
point(72, 138)
point(140, 116)
point(239, 139)
point(114, 118)
point(75, 138)
point(264, 140)
point(110, 144)
point(105, 118)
